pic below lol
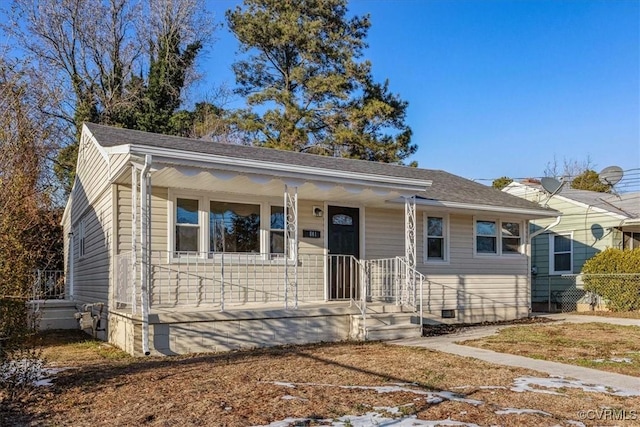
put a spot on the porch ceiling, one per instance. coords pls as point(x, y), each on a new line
point(268, 186)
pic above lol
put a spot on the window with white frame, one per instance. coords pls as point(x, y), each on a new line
point(496, 237)
point(234, 227)
point(187, 225)
point(511, 237)
point(560, 253)
point(82, 227)
point(486, 237)
point(276, 230)
point(436, 245)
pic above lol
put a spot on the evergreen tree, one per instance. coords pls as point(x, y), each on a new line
point(306, 86)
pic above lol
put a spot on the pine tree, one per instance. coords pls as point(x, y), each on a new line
point(306, 86)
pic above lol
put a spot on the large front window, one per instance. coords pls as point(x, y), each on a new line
point(234, 227)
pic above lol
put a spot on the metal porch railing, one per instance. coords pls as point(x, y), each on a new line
point(233, 279)
point(48, 284)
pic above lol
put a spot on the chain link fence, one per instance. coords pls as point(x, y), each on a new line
point(585, 292)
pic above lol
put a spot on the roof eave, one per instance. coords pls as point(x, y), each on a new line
point(173, 156)
point(531, 213)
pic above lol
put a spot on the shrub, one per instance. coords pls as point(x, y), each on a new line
point(614, 274)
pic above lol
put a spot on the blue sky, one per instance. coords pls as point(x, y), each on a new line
point(498, 87)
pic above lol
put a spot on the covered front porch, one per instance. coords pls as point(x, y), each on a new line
point(309, 249)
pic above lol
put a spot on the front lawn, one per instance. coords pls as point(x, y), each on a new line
point(329, 384)
point(602, 346)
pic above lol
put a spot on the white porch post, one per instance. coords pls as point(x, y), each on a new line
point(145, 252)
point(408, 296)
point(134, 238)
point(290, 245)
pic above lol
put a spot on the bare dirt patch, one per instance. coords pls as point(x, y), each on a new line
point(304, 384)
point(603, 346)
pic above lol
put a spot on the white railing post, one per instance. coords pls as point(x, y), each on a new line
point(291, 245)
point(409, 245)
point(134, 238)
point(222, 282)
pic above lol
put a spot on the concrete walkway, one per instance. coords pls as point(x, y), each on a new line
point(447, 344)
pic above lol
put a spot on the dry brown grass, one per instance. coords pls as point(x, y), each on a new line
point(601, 346)
point(622, 314)
point(106, 387)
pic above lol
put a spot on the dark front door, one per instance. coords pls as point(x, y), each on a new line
point(344, 249)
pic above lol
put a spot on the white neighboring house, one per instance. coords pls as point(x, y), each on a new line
point(590, 222)
point(199, 246)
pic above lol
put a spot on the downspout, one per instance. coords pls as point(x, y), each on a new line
point(145, 252)
point(529, 247)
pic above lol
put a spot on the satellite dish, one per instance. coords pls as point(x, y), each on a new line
point(551, 185)
point(611, 175)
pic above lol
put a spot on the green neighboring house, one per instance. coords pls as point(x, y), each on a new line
point(590, 222)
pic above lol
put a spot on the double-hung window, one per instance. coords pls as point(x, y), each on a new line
point(187, 229)
point(496, 237)
point(486, 237)
point(561, 253)
point(436, 246)
point(511, 238)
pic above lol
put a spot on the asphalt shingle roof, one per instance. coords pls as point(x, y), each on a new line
point(627, 204)
point(445, 187)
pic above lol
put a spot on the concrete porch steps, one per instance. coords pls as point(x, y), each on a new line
point(386, 322)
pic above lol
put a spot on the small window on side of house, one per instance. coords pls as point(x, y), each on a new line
point(436, 238)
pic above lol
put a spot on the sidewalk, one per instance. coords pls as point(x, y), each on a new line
point(447, 344)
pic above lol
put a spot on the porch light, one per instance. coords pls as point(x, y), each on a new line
point(317, 211)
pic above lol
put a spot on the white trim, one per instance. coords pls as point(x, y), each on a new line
point(445, 239)
point(552, 252)
point(499, 236)
point(204, 204)
point(484, 208)
point(283, 170)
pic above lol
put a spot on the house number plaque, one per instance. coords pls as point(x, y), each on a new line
point(313, 234)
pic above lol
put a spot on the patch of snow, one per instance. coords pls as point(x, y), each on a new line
point(614, 359)
point(621, 360)
point(432, 396)
point(576, 423)
point(523, 384)
point(282, 384)
point(517, 411)
point(289, 397)
point(369, 419)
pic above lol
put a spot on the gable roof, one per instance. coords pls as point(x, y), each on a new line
point(445, 187)
point(626, 204)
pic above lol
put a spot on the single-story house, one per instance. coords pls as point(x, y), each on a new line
point(188, 245)
point(590, 222)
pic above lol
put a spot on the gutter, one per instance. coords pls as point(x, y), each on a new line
point(145, 240)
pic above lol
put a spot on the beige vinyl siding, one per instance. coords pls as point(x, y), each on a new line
point(384, 233)
point(117, 162)
point(91, 271)
point(91, 178)
point(478, 287)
